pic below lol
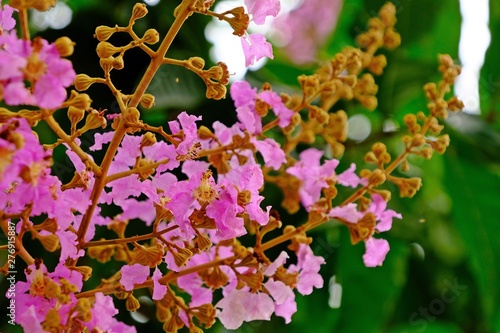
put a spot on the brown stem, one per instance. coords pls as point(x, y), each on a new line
point(23, 19)
point(54, 125)
point(157, 59)
point(137, 170)
point(20, 250)
point(129, 239)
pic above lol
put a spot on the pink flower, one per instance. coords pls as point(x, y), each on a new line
point(103, 314)
point(159, 290)
point(40, 65)
point(29, 320)
point(284, 299)
point(273, 155)
point(250, 178)
point(280, 261)
point(376, 250)
point(189, 131)
point(224, 211)
point(7, 22)
point(133, 274)
point(255, 47)
point(383, 215)
point(101, 139)
point(280, 110)
point(349, 178)
point(260, 9)
point(68, 242)
point(308, 266)
point(347, 212)
point(240, 305)
point(312, 174)
point(305, 29)
point(245, 98)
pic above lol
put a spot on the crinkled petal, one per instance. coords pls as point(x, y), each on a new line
point(255, 47)
point(133, 274)
point(376, 250)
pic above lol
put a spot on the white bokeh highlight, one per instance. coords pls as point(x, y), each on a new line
point(475, 38)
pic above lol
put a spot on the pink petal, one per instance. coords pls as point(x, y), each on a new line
point(133, 274)
point(255, 47)
point(260, 9)
point(159, 290)
point(376, 250)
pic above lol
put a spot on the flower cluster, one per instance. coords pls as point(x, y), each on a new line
point(197, 190)
point(37, 63)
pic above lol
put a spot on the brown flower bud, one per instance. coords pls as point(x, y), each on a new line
point(80, 101)
point(102, 253)
point(203, 242)
point(52, 321)
point(181, 256)
point(105, 49)
point(148, 139)
point(132, 303)
point(102, 32)
point(107, 63)
point(75, 115)
point(95, 119)
point(86, 271)
point(64, 46)
point(151, 36)
point(140, 10)
point(118, 62)
point(131, 117)
point(83, 82)
point(49, 242)
point(204, 133)
point(148, 256)
point(147, 101)
point(196, 62)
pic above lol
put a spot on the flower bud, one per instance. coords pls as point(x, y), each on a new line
point(64, 46)
point(118, 62)
point(151, 36)
point(102, 32)
point(105, 49)
point(50, 225)
point(49, 242)
point(131, 117)
point(86, 271)
point(80, 101)
point(197, 62)
point(203, 242)
point(95, 119)
point(107, 63)
point(148, 139)
point(132, 304)
point(204, 133)
point(181, 256)
point(140, 10)
point(75, 115)
point(147, 101)
point(83, 82)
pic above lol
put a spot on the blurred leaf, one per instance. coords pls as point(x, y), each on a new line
point(176, 87)
point(474, 192)
point(489, 82)
point(428, 328)
point(369, 295)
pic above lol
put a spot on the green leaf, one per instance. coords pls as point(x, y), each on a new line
point(474, 191)
point(369, 295)
point(428, 327)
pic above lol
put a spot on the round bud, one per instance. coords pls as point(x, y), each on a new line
point(64, 46)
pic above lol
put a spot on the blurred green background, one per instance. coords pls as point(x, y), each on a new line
point(442, 274)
